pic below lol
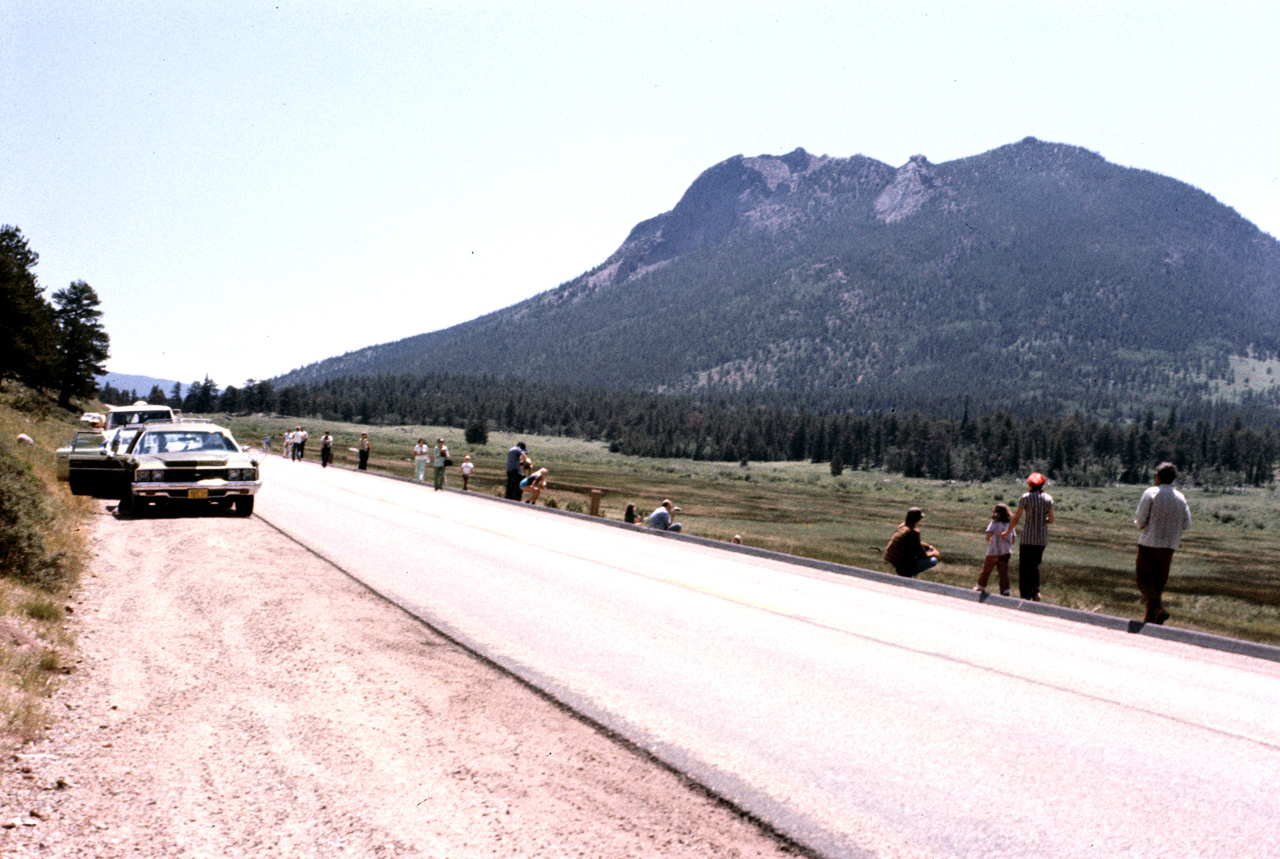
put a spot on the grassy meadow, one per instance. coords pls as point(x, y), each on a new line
point(1225, 580)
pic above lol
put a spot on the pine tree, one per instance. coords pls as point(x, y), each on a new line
point(84, 342)
point(28, 329)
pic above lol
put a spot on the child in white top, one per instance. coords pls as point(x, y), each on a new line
point(999, 548)
point(466, 472)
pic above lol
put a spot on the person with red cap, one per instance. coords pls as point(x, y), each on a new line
point(1038, 505)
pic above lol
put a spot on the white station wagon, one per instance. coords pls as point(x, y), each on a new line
point(183, 461)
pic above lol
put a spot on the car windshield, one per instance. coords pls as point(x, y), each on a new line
point(124, 418)
point(182, 441)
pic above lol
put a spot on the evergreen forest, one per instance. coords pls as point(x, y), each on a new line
point(1214, 446)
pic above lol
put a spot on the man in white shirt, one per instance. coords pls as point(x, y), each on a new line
point(1162, 516)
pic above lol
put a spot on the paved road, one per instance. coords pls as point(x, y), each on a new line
point(862, 719)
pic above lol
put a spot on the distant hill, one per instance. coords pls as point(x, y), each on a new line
point(1033, 273)
point(141, 384)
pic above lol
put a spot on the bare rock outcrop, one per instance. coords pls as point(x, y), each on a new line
point(915, 183)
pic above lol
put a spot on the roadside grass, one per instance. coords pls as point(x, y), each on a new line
point(1225, 579)
point(36, 651)
point(36, 647)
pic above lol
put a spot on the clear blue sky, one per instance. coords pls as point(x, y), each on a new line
point(253, 186)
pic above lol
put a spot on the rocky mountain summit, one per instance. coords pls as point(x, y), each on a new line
point(1034, 271)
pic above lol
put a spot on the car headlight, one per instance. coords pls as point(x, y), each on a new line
point(149, 475)
point(242, 474)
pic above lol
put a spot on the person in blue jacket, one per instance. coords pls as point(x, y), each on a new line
point(661, 518)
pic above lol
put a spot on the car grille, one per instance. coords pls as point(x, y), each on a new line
point(191, 475)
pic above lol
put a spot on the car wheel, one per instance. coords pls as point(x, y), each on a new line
point(126, 504)
point(244, 505)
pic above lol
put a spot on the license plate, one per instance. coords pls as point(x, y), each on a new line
point(197, 493)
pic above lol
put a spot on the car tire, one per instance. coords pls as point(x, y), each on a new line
point(126, 504)
point(244, 505)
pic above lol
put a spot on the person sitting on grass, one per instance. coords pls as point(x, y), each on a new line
point(906, 553)
point(534, 484)
point(661, 518)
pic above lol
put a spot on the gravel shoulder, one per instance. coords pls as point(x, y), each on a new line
point(237, 696)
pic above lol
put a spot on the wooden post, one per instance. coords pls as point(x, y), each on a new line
point(595, 501)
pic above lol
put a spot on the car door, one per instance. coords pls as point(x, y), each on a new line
point(102, 469)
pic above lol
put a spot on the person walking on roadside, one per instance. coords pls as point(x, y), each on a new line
point(661, 518)
point(515, 473)
point(1038, 505)
point(299, 443)
point(266, 444)
point(363, 452)
point(326, 449)
point(421, 453)
point(907, 553)
point(999, 549)
point(1162, 516)
point(441, 461)
point(288, 444)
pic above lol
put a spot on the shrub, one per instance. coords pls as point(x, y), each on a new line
point(477, 433)
point(23, 519)
point(43, 609)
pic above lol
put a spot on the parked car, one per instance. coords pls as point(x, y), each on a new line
point(105, 429)
point(183, 461)
point(138, 413)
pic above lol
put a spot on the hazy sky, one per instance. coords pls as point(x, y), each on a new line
point(254, 186)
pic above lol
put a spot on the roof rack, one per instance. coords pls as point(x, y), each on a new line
point(153, 421)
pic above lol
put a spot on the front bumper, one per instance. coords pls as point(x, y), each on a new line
point(203, 490)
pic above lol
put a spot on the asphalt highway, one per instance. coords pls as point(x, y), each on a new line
point(860, 718)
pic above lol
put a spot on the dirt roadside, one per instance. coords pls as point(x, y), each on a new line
point(237, 696)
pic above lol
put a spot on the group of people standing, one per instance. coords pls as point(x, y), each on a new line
point(295, 446)
point(1161, 517)
point(440, 460)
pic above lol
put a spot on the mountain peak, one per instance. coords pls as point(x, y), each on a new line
point(1035, 271)
point(913, 185)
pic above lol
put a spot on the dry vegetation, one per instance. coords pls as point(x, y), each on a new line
point(35, 647)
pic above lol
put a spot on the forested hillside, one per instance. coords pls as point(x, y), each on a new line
point(1213, 446)
point(1033, 277)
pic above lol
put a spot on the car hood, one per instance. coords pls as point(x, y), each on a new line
point(196, 459)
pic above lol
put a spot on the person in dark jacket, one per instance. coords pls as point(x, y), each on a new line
point(907, 553)
point(516, 457)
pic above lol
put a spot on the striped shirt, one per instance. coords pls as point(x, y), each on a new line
point(1036, 504)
